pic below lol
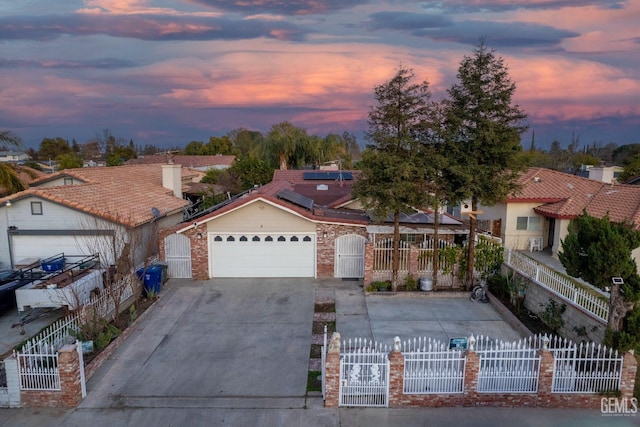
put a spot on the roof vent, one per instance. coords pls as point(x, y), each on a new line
point(322, 187)
point(537, 179)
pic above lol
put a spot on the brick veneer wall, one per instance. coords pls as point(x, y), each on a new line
point(326, 246)
point(471, 397)
point(70, 393)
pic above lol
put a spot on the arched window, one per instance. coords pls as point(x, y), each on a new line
point(231, 239)
point(294, 238)
point(243, 238)
point(306, 239)
point(282, 239)
point(256, 239)
point(217, 239)
point(268, 239)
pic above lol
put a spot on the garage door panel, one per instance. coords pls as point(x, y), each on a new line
point(46, 246)
point(260, 258)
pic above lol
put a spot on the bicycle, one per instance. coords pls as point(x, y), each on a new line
point(479, 292)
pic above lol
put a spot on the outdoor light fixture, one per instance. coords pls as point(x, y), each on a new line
point(617, 281)
point(199, 236)
point(324, 235)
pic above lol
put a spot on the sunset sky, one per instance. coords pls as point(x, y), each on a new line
point(166, 72)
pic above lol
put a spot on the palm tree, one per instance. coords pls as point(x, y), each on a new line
point(10, 182)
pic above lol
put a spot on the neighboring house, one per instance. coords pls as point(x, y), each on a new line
point(13, 156)
point(606, 174)
point(537, 217)
point(91, 210)
point(201, 163)
point(295, 226)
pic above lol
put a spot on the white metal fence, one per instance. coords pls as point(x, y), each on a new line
point(586, 369)
point(38, 357)
point(507, 367)
point(383, 260)
point(430, 367)
point(364, 374)
point(558, 284)
point(39, 371)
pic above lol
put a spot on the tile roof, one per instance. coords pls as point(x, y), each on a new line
point(566, 196)
point(122, 194)
point(186, 161)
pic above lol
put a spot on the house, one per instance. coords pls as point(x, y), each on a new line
point(537, 217)
point(91, 210)
point(13, 156)
point(201, 163)
point(298, 225)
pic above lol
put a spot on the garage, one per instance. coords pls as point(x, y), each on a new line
point(44, 246)
point(262, 255)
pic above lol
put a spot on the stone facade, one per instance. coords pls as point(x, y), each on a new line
point(471, 397)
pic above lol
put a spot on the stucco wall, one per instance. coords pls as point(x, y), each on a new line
point(259, 217)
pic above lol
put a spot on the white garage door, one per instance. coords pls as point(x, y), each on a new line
point(262, 255)
point(46, 246)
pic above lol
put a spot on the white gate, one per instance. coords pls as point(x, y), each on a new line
point(364, 375)
point(178, 256)
point(349, 261)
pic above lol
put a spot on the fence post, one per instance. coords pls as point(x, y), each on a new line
point(332, 373)
point(13, 382)
point(70, 381)
point(629, 369)
point(396, 375)
point(413, 260)
point(368, 263)
point(545, 378)
point(471, 374)
point(537, 273)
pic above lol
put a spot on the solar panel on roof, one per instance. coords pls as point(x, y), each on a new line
point(327, 176)
point(295, 198)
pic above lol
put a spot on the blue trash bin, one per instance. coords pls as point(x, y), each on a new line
point(152, 280)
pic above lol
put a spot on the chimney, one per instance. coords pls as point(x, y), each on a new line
point(172, 178)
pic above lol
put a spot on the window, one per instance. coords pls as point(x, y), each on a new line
point(530, 223)
point(243, 238)
point(256, 239)
point(231, 239)
point(294, 239)
point(36, 208)
point(282, 239)
point(306, 239)
point(218, 239)
point(68, 181)
point(268, 239)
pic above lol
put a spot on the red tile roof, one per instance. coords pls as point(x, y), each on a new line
point(566, 196)
point(123, 194)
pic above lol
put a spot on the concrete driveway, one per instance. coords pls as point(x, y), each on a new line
point(215, 340)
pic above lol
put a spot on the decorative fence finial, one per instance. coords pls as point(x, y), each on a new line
point(545, 342)
point(472, 342)
point(396, 344)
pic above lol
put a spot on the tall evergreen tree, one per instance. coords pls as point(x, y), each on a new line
point(486, 126)
point(392, 177)
point(596, 250)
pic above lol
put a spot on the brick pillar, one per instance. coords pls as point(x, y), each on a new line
point(332, 373)
point(368, 263)
point(69, 367)
point(545, 379)
point(396, 374)
point(471, 372)
point(629, 369)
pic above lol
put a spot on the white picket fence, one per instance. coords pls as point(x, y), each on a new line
point(38, 356)
point(383, 260)
point(364, 374)
point(558, 284)
point(507, 367)
point(431, 367)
